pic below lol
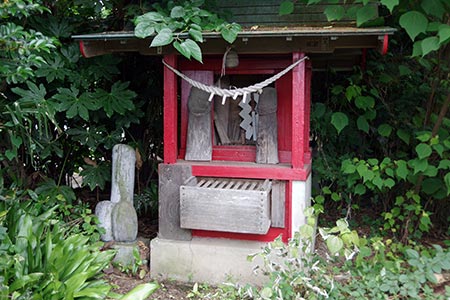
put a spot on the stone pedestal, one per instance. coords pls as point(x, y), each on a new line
point(208, 260)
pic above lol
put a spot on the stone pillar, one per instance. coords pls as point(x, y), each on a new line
point(118, 216)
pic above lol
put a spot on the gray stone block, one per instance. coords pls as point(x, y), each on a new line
point(103, 211)
point(124, 222)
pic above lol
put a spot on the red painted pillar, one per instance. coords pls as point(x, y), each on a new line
point(308, 74)
point(298, 112)
point(170, 111)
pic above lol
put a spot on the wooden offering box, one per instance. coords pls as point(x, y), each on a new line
point(230, 205)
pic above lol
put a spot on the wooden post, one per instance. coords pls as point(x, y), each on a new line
point(199, 134)
point(307, 102)
point(170, 111)
point(267, 140)
point(298, 112)
point(221, 114)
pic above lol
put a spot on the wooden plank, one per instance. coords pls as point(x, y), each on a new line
point(171, 177)
point(267, 140)
point(224, 210)
point(203, 76)
point(170, 111)
point(230, 171)
point(298, 112)
point(278, 199)
point(221, 114)
point(199, 138)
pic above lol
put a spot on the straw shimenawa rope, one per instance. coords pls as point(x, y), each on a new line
point(234, 93)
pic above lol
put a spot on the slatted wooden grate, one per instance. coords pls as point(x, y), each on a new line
point(224, 204)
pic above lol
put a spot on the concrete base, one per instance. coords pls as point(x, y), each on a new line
point(207, 260)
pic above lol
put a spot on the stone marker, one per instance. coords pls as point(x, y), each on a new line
point(118, 216)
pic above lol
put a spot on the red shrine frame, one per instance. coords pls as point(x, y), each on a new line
point(230, 161)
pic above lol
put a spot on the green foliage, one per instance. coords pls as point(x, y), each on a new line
point(44, 260)
point(425, 21)
point(58, 109)
point(352, 268)
point(182, 25)
point(146, 203)
point(141, 292)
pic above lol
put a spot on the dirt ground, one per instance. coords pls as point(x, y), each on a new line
point(125, 281)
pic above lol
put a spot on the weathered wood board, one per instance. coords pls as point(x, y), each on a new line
point(278, 199)
point(171, 177)
point(267, 136)
point(229, 205)
point(199, 139)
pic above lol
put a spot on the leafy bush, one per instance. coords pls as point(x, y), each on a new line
point(354, 268)
point(41, 259)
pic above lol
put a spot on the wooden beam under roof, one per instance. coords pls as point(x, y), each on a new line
point(262, 40)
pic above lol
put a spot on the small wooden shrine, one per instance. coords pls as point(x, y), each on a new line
point(237, 161)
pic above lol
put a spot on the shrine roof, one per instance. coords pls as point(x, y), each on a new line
point(251, 40)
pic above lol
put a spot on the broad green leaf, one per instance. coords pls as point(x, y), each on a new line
point(419, 165)
point(389, 183)
point(444, 33)
point(433, 7)
point(141, 292)
point(429, 44)
point(385, 130)
point(431, 185)
point(431, 171)
point(144, 29)
point(403, 135)
point(360, 189)
point(334, 244)
point(334, 12)
point(319, 110)
point(15, 140)
point(390, 4)
point(177, 12)
point(150, 17)
point(339, 121)
point(366, 13)
point(74, 104)
point(362, 124)
point(196, 35)
point(163, 38)
point(444, 164)
point(286, 8)
point(364, 102)
point(306, 231)
point(414, 23)
point(181, 47)
point(423, 150)
point(24, 280)
point(417, 49)
point(402, 169)
point(378, 182)
point(404, 70)
point(447, 182)
point(411, 253)
point(229, 33)
point(119, 99)
point(424, 136)
point(348, 167)
point(194, 49)
point(352, 91)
